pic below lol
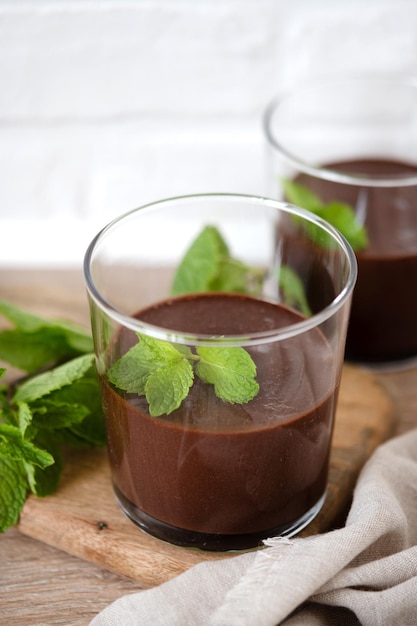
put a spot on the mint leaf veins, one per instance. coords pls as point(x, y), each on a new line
point(339, 214)
point(164, 373)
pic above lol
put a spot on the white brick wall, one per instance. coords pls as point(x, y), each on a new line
point(107, 104)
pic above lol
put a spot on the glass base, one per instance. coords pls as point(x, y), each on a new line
point(208, 541)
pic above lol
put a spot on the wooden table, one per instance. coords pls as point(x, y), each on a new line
point(40, 585)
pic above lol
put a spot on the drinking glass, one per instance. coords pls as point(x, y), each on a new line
point(353, 141)
point(219, 324)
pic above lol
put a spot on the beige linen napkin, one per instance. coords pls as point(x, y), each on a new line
point(364, 573)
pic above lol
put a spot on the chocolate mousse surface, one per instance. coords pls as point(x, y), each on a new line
point(224, 476)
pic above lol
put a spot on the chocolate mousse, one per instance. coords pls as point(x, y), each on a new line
point(223, 476)
point(384, 308)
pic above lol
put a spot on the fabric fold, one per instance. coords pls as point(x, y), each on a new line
point(364, 573)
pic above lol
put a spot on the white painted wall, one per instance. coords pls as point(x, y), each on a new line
point(108, 104)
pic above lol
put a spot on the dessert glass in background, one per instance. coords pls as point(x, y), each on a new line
point(253, 296)
point(354, 141)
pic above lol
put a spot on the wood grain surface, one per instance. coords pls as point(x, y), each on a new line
point(41, 585)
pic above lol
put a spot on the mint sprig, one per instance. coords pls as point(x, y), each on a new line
point(57, 403)
point(208, 266)
point(224, 273)
point(164, 373)
point(339, 214)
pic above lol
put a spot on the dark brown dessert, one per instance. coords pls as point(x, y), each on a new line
point(383, 318)
point(224, 476)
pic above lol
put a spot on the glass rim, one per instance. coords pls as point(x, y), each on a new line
point(358, 180)
point(246, 339)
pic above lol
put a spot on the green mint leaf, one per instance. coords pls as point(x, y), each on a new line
point(24, 417)
point(208, 266)
point(231, 371)
point(342, 216)
point(37, 343)
point(339, 214)
point(165, 373)
point(13, 491)
point(199, 266)
point(301, 196)
point(23, 320)
point(131, 371)
point(14, 446)
point(29, 351)
point(54, 415)
point(62, 375)
point(231, 276)
point(167, 386)
point(153, 368)
point(293, 290)
point(43, 482)
point(84, 392)
point(76, 335)
point(89, 432)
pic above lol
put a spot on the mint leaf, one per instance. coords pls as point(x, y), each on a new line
point(13, 491)
point(342, 216)
point(14, 446)
point(55, 415)
point(156, 369)
point(165, 373)
point(30, 351)
point(199, 266)
point(232, 276)
point(35, 343)
point(24, 417)
point(43, 384)
point(76, 335)
point(339, 214)
point(231, 371)
point(85, 393)
point(23, 320)
point(208, 266)
point(167, 386)
point(132, 371)
point(293, 290)
point(44, 482)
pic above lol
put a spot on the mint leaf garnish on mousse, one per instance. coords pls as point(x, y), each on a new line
point(339, 214)
point(164, 373)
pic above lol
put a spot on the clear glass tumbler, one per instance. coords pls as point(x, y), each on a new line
point(219, 324)
point(353, 141)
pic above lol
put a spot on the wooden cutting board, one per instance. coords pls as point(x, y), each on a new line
point(83, 519)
